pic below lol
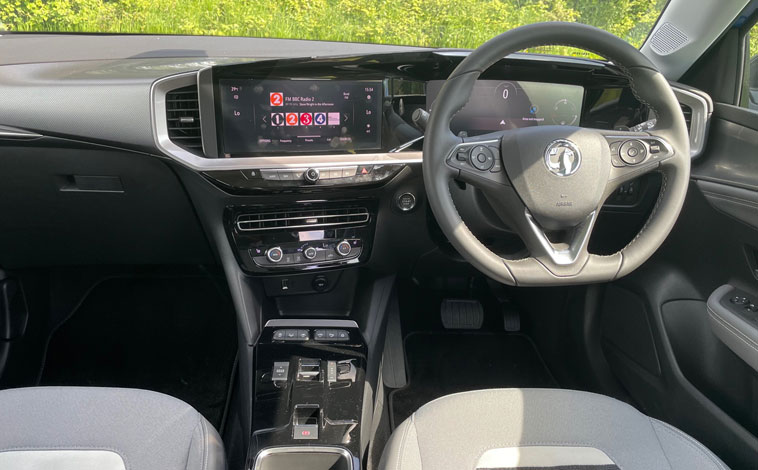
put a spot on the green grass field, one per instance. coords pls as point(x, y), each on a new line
point(440, 23)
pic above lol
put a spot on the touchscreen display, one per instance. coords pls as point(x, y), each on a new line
point(265, 116)
point(497, 105)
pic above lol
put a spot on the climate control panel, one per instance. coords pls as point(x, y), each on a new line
point(321, 252)
point(302, 236)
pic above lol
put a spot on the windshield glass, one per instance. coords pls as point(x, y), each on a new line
point(430, 23)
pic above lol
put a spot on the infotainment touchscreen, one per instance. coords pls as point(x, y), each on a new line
point(497, 105)
point(269, 116)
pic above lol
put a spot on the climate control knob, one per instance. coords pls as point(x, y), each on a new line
point(311, 175)
point(343, 248)
point(274, 254)
point(310, 253)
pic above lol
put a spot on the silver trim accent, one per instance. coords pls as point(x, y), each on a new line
point(269, 257)
point(306, 450)
point(343, 243)
point(702, 109)
point(578, 242)
point(294, 322)
point(404, 146)
point(365, 218)
point(12, 133)
point(161, 87)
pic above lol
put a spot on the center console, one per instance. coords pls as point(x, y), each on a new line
point(309, 388)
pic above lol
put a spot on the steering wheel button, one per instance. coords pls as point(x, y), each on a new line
point(633, 152)
point(482, 158)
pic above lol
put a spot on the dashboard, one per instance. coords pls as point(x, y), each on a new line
point(287, 164)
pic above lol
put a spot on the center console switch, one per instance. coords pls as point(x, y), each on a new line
point(309, 382)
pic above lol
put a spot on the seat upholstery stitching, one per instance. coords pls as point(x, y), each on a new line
point(189, 447)
point(660, 444)
point(418, 445)
point(402, 443)
point(204, 428)
point(691, 443)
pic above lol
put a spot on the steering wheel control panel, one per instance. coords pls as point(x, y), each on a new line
point(301, 237)
point(630, 152)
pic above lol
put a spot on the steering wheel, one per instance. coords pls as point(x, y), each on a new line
point(548, 183)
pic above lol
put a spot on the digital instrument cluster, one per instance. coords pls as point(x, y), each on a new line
point(499, 105)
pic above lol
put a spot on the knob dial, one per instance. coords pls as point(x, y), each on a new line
point(344, 248)
point(310, 253)
point(274, 254)
point(311, 175)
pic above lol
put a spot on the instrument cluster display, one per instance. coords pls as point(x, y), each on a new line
point(499, 105)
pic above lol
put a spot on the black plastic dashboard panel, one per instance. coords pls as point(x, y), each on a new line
point(69, 203)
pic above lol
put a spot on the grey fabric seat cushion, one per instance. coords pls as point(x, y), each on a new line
point(148, 430)
point(523, 427)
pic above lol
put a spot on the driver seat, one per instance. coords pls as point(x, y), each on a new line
point(539, 429)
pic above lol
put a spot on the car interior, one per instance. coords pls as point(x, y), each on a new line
point(273, 254)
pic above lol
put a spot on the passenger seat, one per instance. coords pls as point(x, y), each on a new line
point(67, 428)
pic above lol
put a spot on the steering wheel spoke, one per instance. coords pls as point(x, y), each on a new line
point(565, 249)
point(478, 161)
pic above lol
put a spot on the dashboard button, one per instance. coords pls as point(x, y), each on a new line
point(406, 202)
point(311, 175)
point(365, 169)
point(274, 254)
point(286, 175)
point(297, 174)
point(310, 253)
point(349, 171)
point(271, 175)
point(343, 248)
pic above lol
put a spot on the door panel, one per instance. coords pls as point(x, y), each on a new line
point(702, 385)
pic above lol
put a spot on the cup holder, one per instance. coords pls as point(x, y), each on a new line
point(304, 458)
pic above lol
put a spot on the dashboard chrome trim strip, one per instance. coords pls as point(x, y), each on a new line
point(158, 93)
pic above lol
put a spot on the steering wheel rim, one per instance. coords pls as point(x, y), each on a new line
point(534, 198)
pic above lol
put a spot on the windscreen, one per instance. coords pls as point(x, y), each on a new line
point(428, 23)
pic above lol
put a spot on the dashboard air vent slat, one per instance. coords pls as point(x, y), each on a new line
point(302, 219)
point(687, 111)
point(183, 118)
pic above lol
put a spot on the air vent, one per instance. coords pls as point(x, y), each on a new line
point(687, 111)
point(302, 219)
point(183, 118)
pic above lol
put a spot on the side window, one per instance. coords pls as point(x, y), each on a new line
point(750, 87)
